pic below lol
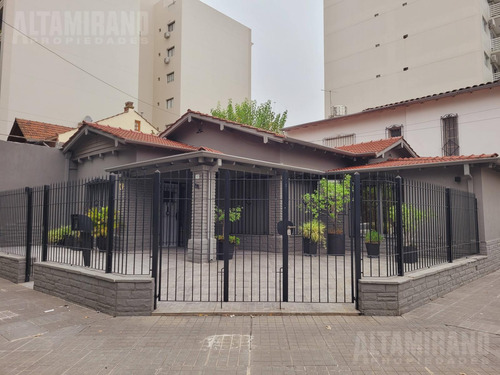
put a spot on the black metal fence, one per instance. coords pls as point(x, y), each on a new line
point(269, 236)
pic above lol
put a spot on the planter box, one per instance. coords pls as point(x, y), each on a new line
point(410, 254)
point(309, 247)
point(220, 250)
point(335, 244)
point(372, 250)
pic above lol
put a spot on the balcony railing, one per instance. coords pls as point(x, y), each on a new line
point(495, 44)
point(495, 10)
point(496, 76)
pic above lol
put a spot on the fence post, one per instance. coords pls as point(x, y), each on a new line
point(284, 182)
point(29, 231)
point(399, 225)
point(45, 222)
point(111, 223)
point(476, 219)
point(227, 223)
point(357, 232)
point(449, 234)
point(156, 231)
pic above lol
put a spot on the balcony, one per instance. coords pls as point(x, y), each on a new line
point(495, 45)
point(495, 10)
point(496, 76)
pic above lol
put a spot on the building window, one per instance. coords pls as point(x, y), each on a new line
point(171, 26)
point(170, 51)
point(170, 77)
point(449, 125)
point(341, 140)
point(170, 103)
point(137, 126)
point(395, 131)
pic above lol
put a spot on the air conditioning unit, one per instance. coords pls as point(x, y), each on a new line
point(338, 110)
point(166, 35)
point(494, 58)
point(492, 23)
point(167, 60)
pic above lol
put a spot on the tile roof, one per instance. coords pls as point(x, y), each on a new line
point(408, 162)
point(40, 131)
point(372, 147)
point(140, 138)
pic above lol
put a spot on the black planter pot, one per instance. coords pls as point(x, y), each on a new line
point(309, 247)
point(220, 250)
point(335, 244)
point(373, 250)
point(70, 241)
point(102, 243)
point(410, 254)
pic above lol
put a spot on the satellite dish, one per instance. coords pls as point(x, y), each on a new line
point(88, 119)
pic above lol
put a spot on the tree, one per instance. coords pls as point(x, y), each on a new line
point(250, 113)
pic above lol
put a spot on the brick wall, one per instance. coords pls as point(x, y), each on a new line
point(398, 295)
point(116, 295)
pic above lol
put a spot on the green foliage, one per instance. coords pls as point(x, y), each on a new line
point(330, 198)
point(232, 239)
point(234, 215)
point(373, 237)
point(99, 217)
point(57, 235)
point(314, 230)
point(250, 113)
point(412, 216)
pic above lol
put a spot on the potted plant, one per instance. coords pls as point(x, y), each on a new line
point(62, 236)
point(372, 243)
point(411, 218)
point(313, 234)
point(234, 215)
point(328, 203)
point(99, 217)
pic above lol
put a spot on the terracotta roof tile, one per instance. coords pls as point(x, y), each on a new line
point(40, 131)
point(142, 138)
point(372, 147)
point(402, 162)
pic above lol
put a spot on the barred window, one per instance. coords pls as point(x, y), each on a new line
point(341, 140)
point(394, 131)
point(449, 125)
point(170, 77)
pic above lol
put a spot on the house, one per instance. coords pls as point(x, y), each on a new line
point(456, 122)
point(35, 132)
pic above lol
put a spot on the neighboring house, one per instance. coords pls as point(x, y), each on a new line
point(34, 132)
point(170, 55)
point(458, 122)
point(379, 52)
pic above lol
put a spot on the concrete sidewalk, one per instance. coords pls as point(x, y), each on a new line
point(456, 334)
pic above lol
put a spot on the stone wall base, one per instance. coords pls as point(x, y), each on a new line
point(398, 295)
point(13, 268)
point(117, 295)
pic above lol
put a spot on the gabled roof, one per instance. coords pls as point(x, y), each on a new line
point(191, 113)
point(128, 136)
point(408, 163)
point(378, 148)
point(423, 99)
point(35, 131)
point(266, 134)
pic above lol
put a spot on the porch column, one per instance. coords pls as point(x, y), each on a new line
point(202, 244)
point(275, 242)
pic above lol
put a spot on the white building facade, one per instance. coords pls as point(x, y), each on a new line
point(384, 51)
point(460, 122)
point(63, 60)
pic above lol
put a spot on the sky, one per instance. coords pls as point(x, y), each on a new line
point(287, 53)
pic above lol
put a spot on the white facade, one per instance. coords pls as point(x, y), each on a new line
point(208, 59)
point(477, 114)
point(108, 54)
point(385, 51)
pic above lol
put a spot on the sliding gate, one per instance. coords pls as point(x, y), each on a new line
point(253, 237)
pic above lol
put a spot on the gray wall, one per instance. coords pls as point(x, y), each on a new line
point(29, 165)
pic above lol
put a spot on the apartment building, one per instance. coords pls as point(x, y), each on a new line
point(61, 61)
point(385, 51)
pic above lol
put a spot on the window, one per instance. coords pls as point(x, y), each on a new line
point(341, 140)
point(170, 77)
point(170, 103)
point(171, 26)
point(137, 126)
point(394, 131)
point(170, 52)
point(449, 125)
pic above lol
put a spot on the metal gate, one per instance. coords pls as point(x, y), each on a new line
point(244, 236)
